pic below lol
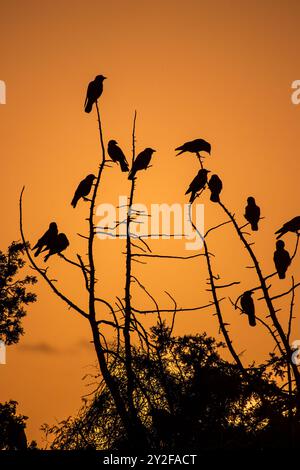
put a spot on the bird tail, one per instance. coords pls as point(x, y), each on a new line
point(46, 257)
point(88, 106)
point(181, 151)
point(252, 321)
point(254, 226)
point(280, 232)
point(131, 175)
point(74, 202)
point(192, 198)
point(47, 248)
point(214, 197)
point(281, 275)
point(124, 165)
point(39, 249)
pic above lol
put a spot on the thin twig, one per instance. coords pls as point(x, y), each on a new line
point(216, 301)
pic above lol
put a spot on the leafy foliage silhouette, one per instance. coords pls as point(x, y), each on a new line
point(14, 296)
point(189, 398)
point(13, 293)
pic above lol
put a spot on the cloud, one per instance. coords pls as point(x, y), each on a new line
point(43, 348)
point(47, 348)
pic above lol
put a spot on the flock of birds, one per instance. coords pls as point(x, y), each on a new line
point(55, 243)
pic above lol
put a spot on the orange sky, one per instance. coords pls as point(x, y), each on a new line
point(213, 69)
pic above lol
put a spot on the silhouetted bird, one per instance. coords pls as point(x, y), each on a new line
point(197, 184)
point(195, 146)
point(46, 240)
point(117, 155)
point(141, 162)
point(290, 226)
point(83, 189)
point(94, 91)
point(247, 305)
point(252, 213)
point(60, 244)
point(215, 185)
point(282, 259)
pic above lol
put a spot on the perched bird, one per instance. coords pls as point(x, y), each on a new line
point(197, 184)
point(60, 244)
point(94, 91)
point(282, 259)
point(117, 155)
point(195, 146)
point(83, 189)
point(141, 162)
point(252, 213)
point(215, 185)
point(46, 240)
point(247, 305)
point(291, 226)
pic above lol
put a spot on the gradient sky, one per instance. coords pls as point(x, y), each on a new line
point(220, 70)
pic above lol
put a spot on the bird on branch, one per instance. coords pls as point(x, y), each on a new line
point(197, 184)
point(59, 244)
point(282, 259)
point(252, 213)
point(94, 91)
point(292, 225)
point(215, 185)
point(248, 307)
point(44, 243)
point(194, 146)
point(141, 162)
point(83, 189)
point(117, 155)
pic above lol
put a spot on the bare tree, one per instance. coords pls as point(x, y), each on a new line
point(131, 398)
